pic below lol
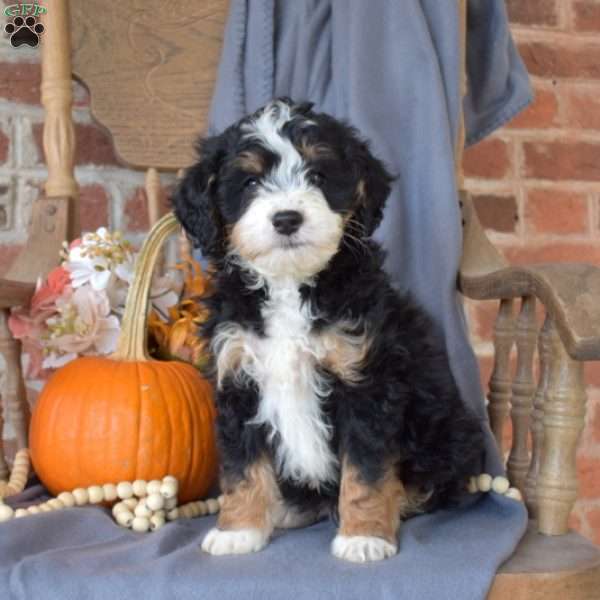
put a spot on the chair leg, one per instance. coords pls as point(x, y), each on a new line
point(16, 401)
point(3, 465)
point(563, 420)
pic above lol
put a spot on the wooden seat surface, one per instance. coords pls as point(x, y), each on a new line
point(565, 567)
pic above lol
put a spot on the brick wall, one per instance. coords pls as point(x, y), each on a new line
point(536, 183)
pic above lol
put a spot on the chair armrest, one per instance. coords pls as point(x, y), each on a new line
point(570, 292)
point(15, 293)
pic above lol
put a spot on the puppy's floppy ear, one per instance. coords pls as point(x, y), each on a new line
point(374, 185)
point(195, 199)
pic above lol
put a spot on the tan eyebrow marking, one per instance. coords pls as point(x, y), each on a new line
point(249, 161)
point(314, 151)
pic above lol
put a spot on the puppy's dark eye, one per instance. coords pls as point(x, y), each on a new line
point(316, 178)
point(251, 183)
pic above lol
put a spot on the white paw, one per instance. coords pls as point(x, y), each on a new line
point(362, 548)
point(239, 541)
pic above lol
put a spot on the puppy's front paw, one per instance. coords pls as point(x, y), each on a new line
point(362, 548)
point(239, 541)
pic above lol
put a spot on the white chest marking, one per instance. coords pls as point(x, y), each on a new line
point(291, 389)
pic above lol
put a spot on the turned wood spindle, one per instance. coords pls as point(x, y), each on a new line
point(500, 388)
point(537, 415)
point(57, 99)
point(14, 390)
point(3, 465)
point(564, 415)
point(185, 248)
point(523, 389)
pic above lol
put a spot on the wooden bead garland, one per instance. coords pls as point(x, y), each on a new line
point(143, 506)
point(18, 476)
point(499, 484)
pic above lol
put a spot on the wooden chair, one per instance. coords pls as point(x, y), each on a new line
point(150, 68)
point(54, 219)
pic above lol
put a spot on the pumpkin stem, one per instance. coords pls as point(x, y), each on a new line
point(133, 338)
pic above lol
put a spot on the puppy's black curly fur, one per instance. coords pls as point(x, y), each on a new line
point(406, 408)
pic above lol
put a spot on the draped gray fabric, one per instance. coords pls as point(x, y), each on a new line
point(391, 68)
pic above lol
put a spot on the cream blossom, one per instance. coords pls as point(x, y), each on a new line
point(83, 326)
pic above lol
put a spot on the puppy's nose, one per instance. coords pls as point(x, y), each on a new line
point(287, 222)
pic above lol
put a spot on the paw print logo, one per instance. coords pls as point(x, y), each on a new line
point(24, 31)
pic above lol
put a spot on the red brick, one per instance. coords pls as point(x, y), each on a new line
point(541, 114)
point(94, 208)
point(553, 252)
point(588, 471)
point(562, 160)
point(489, 159)
point(136, 212)
point(92, 145)
point(583, 108)
point(8, 253)
point(586, 15)
point(484, 315)
point(532, 12)
point(554, 211)
point(577, 60)
point(497, 212)
point(575, 522)
point(593, 518)
point(592, 378)
point(4, 146)
point(20, 82)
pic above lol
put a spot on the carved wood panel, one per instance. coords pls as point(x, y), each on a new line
point(150, 66)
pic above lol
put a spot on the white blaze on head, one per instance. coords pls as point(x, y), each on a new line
point(267, 130)
point(306, 252)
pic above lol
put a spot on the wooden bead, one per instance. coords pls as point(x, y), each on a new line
point(153, 487)
point(170, 503)
point(119, 507)
point(95, 494)
point(67, 499)
point(55, 504)
point(139, 488)
point(484, 482)
point(44, 507)
point(81, 496)
point(141, 510)
point(514, 493)
point(124, 518)
point(33, 510)
point(6, 513)
point(124, 490)
point(155, 501)
point(161, 513)
point(156, 522)
point(471, 486)
point(131, 503)
point(140, 524)
point(221, 498)
point(212, 505)
point(171, 479)
point(168, 489)
point(110, 492)
point(500, 485)
point(20, 512)
point(173, 514)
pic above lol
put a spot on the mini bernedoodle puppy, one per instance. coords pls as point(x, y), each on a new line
point(334, 395)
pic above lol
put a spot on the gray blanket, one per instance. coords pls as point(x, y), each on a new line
point(391, 68)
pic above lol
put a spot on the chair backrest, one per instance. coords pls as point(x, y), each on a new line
point(150, 67)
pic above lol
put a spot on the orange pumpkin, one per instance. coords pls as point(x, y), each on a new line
point(104, 420)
